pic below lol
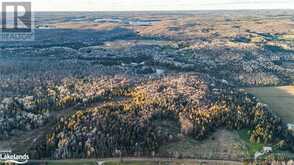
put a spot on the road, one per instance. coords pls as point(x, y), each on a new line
point(197, 161)
point(142, 159)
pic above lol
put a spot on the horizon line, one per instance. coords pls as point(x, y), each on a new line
point(263, 9)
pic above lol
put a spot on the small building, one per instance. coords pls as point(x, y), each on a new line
point(267, 149)
point(290, 127)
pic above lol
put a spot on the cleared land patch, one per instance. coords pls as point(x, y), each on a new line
point(279, 99)
point(222, 144)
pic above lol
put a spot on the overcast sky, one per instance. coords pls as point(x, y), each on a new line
point(138, 5)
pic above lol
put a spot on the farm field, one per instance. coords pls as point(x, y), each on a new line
point(279, 99)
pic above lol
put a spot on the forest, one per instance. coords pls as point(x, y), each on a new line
point(158, 112)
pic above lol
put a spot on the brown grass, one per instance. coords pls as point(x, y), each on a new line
point(223, 144)
point(279, 99)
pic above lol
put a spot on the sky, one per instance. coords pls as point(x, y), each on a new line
point(146, 5)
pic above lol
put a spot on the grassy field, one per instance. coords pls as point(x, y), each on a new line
point(252, 148)
point(279, 99)
point(222, 144)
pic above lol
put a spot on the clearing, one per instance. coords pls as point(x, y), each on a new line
point(279, 99)
point(221, 145)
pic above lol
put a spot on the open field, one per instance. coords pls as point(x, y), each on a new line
point(251, 148)
point(279, 99)
point(222, 144)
